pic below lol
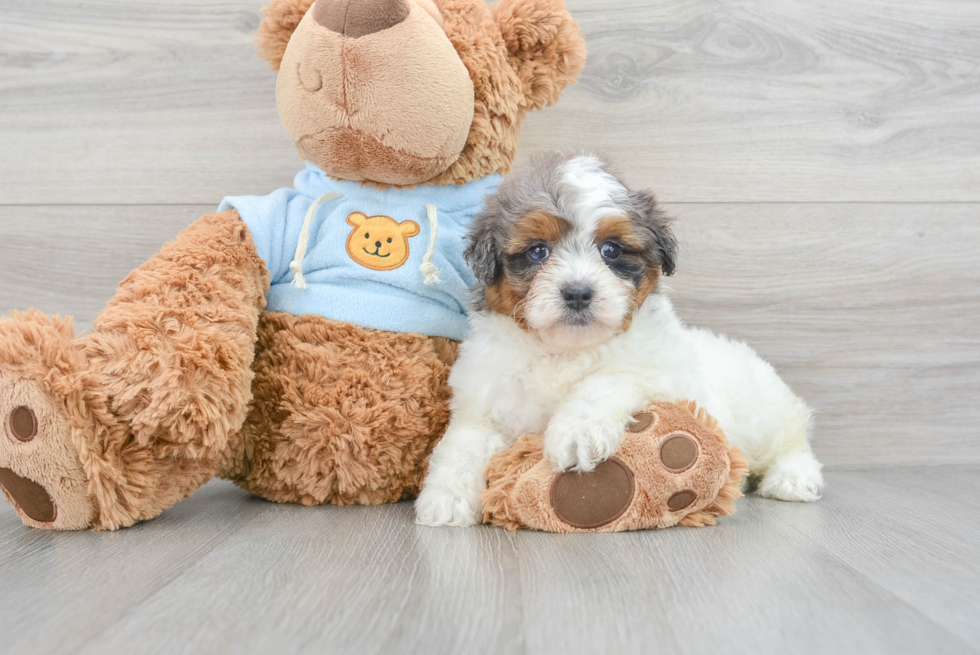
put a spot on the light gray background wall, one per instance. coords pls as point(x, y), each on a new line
point(822, 160)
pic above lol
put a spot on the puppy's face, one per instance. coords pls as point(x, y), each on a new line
point(568, 251)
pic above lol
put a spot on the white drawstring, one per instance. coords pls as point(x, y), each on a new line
point(304, 239)
point(428, 269)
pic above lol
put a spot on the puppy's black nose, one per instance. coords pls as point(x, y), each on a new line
point(577, 298)
point(377, 244)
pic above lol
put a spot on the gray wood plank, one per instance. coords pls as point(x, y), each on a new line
point(360, 580)
point(923, 551)
point(110, 101)
point(61, 589)
point(748, 586)
point(225, 572)
point(868, 310)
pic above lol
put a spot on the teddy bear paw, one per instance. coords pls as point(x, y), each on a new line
point(40, 473)
point(672, 466)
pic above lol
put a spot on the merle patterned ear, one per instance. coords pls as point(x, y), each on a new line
point(281, 19)
point(661, 244)
point(544, 46)
point(483, 250)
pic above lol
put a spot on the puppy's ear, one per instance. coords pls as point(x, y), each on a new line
point(661, 244)
point(544, 46)
point(483, 249)
point(281, 19)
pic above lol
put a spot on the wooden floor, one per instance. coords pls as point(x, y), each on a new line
point(886, 563)
point(823, 163)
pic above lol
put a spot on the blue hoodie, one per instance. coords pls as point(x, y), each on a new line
point(365, 251)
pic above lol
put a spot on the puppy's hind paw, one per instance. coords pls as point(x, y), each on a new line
point(794, 478)
point(438, 506)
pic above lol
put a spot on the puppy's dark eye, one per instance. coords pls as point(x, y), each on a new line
point(538, 253)
point(610, 250)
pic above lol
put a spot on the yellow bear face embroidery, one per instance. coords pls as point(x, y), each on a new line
point(379, 242)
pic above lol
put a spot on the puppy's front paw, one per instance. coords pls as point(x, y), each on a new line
point(578, 441)
point(441, 505)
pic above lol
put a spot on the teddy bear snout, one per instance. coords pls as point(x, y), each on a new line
point(356, 18)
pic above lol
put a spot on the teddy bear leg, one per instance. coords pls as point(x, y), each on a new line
point(673, 467)
point(341, 414)
point(113, 427)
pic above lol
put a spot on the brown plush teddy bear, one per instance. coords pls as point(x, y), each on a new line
point(297, 343)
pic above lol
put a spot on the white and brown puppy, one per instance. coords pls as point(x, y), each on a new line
point(571, 337)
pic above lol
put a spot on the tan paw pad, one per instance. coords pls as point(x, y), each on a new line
point(642, 422)
point(591, 500)
point(30, 497)
point(678, 452)
point(681, 500)
point(23, 423)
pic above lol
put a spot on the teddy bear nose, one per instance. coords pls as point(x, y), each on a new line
point(377, 243)
point(356, 18)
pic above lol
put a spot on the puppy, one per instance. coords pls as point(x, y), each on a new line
point(570, 337)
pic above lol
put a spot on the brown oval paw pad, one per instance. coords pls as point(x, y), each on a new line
point(678, 452)
point(642, 422)
point(681, 499)
point(23, 423)
point(30, 497)
point(592, 500)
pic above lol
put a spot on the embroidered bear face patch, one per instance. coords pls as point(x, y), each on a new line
point(379, 242)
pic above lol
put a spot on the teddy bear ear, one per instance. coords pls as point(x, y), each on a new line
point(281, 19)
point(544, 46)
point(357, 218)
point(408, 228)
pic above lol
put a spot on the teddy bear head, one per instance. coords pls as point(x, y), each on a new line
point(405, 92)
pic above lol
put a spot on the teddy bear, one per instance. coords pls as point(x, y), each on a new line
point(296, 343)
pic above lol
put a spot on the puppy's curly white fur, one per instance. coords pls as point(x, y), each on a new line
point(571, 336)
